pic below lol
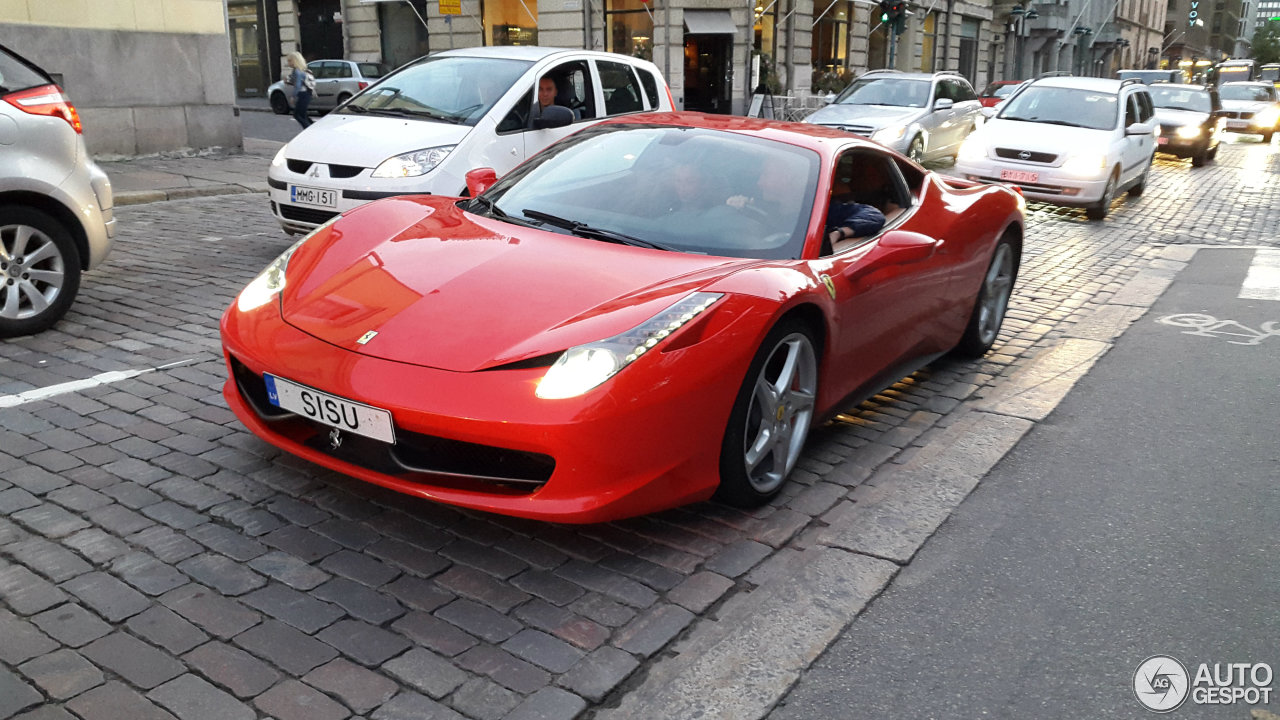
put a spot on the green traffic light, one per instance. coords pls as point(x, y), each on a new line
point(884, 17)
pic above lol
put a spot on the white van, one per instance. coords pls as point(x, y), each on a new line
point(421, 128)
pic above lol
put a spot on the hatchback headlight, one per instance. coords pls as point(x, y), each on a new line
point(413, 164)
point(1085, 164)
point(971, 150)
point(278, 160)
point(1188, 132)
point(584, 367)
point(264, 288)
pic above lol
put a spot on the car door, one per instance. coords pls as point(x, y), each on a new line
point(937, 122)
point(326, 83)
point(968, 110)
point(1139, 146)
point(518, 139)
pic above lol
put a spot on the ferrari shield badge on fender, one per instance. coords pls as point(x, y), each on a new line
point(365, 338)
point(831, 287)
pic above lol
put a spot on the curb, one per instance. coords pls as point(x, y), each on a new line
point(739, 666)
point(142, 197)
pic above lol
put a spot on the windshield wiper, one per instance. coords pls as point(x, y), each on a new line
point(497, 212)
point(584, 230)
point(1061, 122)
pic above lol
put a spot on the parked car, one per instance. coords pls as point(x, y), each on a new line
point(997, 91)
point(538, 351)
point(1190, 118)
point(925, 116)
point(425, 125)
point(1251, 107)
point(56, 217)
point(336, 82)
point(1073, 141)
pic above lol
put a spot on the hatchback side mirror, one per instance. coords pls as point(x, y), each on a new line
point(480, 179)
point(553, 116)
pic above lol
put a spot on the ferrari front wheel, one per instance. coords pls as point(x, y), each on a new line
point(992, 303)
point(771, 417)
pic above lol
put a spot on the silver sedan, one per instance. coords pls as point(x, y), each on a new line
point(336, 80)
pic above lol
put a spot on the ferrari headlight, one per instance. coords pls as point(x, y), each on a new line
point(889, 134)
point(278, 160)
point(1085, 164)
point(271, 281)
point(413, 164)
point(584, 367)
point(1188, 132)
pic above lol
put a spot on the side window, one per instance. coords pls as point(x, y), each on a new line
point(1148, 108)
point(650, 87)
point(518, 119)
point(1131, 111)
point(964, 91)
point(940, 91)
point(620, 87)
point(317, 69)
point(573, 88)
point(344, 70)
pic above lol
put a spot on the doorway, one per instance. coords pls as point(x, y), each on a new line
point(320, 24)
point(707, 72)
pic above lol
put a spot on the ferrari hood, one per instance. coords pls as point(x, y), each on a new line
point(365, 141)
point(416, 280)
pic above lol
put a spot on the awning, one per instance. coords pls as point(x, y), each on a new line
point(709, 22)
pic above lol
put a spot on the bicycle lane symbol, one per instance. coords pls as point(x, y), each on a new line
point(1209, 326)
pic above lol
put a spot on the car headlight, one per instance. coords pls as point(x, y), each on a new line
point(278, 160)
point(1267, 117)
point(412, 164)
point(271, 281)
point(1188, 132)
point(889, 134)
point(971, 150)
point(584, 367)
point(1085, 164)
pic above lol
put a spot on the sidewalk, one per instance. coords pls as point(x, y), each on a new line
point(174, 177)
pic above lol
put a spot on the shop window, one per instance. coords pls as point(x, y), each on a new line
point(511, 22)
point(630, 28)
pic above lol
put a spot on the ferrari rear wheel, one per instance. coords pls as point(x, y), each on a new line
point(770, 418)
point(993, 302)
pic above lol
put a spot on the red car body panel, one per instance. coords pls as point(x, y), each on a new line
point(470, 311)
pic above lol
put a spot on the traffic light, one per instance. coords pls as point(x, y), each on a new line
point(894, 14)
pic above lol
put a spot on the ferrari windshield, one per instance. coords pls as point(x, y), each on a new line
point(886, 91)
point(677, 188)
point(1064, 106)
point(1173, 97)
point(450, 89)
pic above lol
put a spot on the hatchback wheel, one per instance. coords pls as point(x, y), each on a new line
point(770, 418)
point(279, 104)
point(39, 271)
point(1100, 210)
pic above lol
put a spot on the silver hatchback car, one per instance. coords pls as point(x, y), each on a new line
point(925, 116)
point(336, 81)
point(56, 216)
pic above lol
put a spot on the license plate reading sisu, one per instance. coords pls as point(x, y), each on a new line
point(331, 410)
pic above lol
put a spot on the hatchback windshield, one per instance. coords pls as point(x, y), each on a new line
point(451, 89)
point(1247, 93)
point(1176, 98)
point(685, 189)
point(1064, 106)
point(372, 70)
point(886, 91)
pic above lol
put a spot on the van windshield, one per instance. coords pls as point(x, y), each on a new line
point(457, 90)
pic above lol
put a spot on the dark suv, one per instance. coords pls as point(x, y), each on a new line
point(1190, 118)
point(55, 203)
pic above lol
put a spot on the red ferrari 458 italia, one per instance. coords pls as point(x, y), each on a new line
point(651, 312)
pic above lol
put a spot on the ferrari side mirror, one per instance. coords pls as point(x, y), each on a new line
point(480, 179)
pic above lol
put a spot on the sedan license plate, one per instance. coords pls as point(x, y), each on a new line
point(330, 410)
point(1019, 176)
point(1238, 124)
point(313, 196)
point(1162, 140)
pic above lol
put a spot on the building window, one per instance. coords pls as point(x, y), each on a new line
point(831, 48)
point(511, 22)
point(929, 44)
point(630, 24)
point(766, 19)
point(969, 28)
point(404, 37)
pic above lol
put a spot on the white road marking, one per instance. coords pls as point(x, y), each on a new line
point(105, 378)
point(1263, 280)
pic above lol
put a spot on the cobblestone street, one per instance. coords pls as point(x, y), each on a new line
point(159, 561)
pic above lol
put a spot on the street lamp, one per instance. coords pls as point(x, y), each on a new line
point(1019, 16)
point(1082, 38)
point(1153, 55)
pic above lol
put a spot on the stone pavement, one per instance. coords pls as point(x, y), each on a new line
point(175, 176)
point(158, 561)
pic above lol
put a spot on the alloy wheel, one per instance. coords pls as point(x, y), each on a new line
point(997, 286)
point(780, 411)
point(32, 272)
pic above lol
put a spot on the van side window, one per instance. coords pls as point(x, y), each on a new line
point(518, 118)
point(621, 90)
point(650, 87)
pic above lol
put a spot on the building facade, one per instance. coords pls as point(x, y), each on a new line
point(146, 76)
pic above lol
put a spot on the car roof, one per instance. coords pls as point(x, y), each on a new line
point(824, 140)
point(1254, 83)
point(1182, 86)
point(523, 52)
point(1084, 83)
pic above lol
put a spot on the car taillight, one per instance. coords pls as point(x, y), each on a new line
point(46, 100)
point(363, 84)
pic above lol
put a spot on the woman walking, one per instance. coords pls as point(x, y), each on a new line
point(304, 84)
